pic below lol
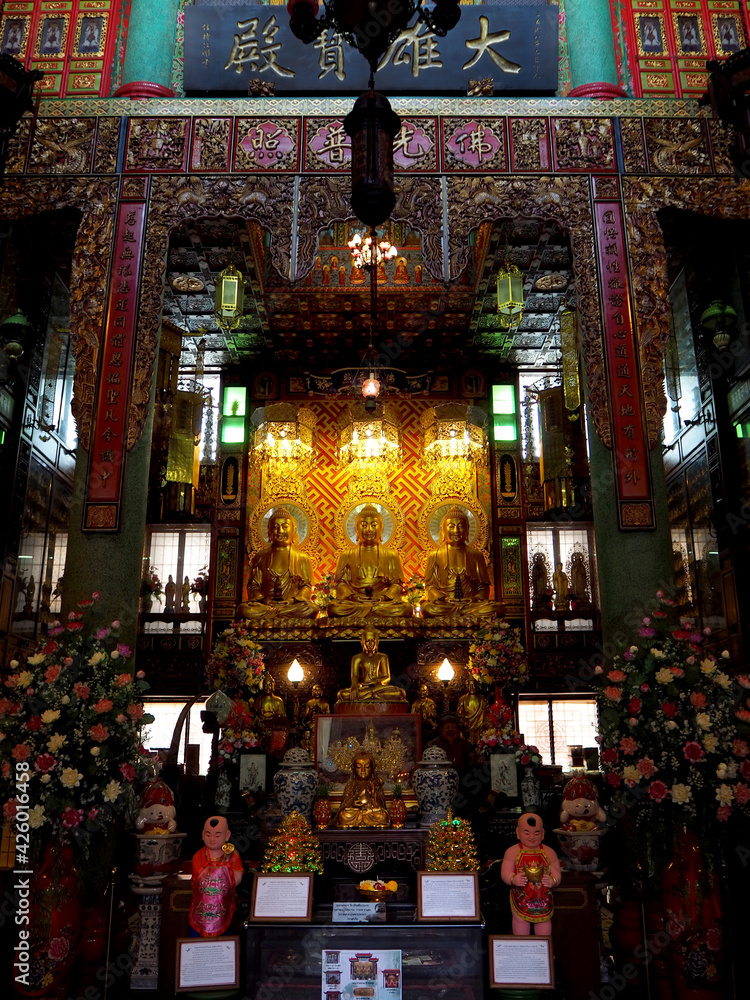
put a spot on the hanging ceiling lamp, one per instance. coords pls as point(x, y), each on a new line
point(510, 296)
point(284, 438)
point(366, 252)
point(454, 437)
point(370, 436)
point(229, 298)
point(718, 320)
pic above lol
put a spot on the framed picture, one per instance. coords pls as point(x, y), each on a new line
point(280, 898)
point(339, 737)
point(252, 772)
point(728, 33)
point(15, 31)
point(207, 964)
point(504, 774)
point(90, 34)
point(688, 31)
point(52, 36)
point(447, 896)
point(650, 35)
point(523, 963)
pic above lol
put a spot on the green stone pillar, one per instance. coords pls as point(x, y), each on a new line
point(632, 565)
point(591, 47)
point(111, 562)
point(149, 49)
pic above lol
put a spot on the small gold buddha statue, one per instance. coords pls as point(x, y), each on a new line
point(315, 706)
point(269, 707)
point(371, 674)
point(280, 581)
point(456, 580)
point(560, 581)
point(363, 802)
point(471, 711)
point(369, 577)
point(426, 707)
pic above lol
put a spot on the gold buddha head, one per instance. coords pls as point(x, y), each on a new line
point(317, 691)
point(363, 766)
point(454, 527)
point(282, 528)
point(423, 692)
point(370, 639)
point(368, 525)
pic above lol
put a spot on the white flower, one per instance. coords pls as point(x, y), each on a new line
point(36, 817)
point(631, 773)
point(13, 664)
point(65, 700)
point(658, 654)
point(24, 679)
point(725, 654)
point(36, 659)
point(723, 680)
point(704, 720)
point(112, 790)
point(95, 751)
point(633, 649)
point(710, 742)
point(51, 715)
point(681, 794)
point(97, 658)
point(46, 778)
point(670, 724)
point(664, 676)
point(115, 654)
point(632, 723)
point(70, 777)
point(708, 666)
point(55, 742)
point(724, 794)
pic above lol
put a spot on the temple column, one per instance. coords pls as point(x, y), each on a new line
point(149, 49)
point(591, 47)
point(632, 565)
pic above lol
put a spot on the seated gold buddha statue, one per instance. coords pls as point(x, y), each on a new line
point(371, 674)
point(456, 580)
point(426, 707)
point(269, 707)
point(363, 802)
point(280, 582)
point(369, 577)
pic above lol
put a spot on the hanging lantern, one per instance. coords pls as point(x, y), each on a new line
point(284, 439)
point(229, 298)
point(372, 125)
point(510, 296)
point(454, 438)
point(370, 435)
point(718, 320)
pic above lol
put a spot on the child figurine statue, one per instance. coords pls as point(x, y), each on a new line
point(217, 871)
point(532, 870)
point(580, 806)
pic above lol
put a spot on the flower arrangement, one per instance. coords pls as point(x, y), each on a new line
point(236, 663)
point(236, 735)
point(324, 592)
point(500, 736)
point(72, 720)
point(414, 591)
point(528, 755)
point(151, 585)
point(497, 656)
point(200, 583)
point(670, 742)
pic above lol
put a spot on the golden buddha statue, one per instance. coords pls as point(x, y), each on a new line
point(269, 707)
point(426, 707)
point(371, 674)
point(369, 577)
point(315, 706)
point(363, 802)
point(280, 582)
point(456, 580)
point(471, 711)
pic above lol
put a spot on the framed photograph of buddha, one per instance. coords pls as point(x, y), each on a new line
point(650, 35)
point(728, 33)
point(14, 33)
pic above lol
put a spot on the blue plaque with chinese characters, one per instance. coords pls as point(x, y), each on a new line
point(228, 47)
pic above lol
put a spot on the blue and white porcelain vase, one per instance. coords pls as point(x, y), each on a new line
point(435, 782)
point(296, 783)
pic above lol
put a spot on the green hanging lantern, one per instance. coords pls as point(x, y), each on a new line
point(510, 296)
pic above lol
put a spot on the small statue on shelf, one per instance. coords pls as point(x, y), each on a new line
point(560, 581)
point(185, 595)
point(539, 582)
point(169, 594)
point(472, 710)
point(426, 707)
point(363, 801)
point(315, 706)
point(217, 871)
point(457, 582)
point(579, 581)
point(371, 674)
point(369, 577)
point(269, 706)
point(532, 870)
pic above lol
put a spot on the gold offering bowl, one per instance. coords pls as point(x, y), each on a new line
point(375, 895)
point(534, 873)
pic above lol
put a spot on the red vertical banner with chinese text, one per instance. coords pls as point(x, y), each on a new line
point(635, 507)
point(109, 431)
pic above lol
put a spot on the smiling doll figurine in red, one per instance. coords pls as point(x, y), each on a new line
point(532, 870)
point(217, 871)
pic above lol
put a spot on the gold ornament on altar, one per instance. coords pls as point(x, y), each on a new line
point(284, 439)
point(388, 757)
